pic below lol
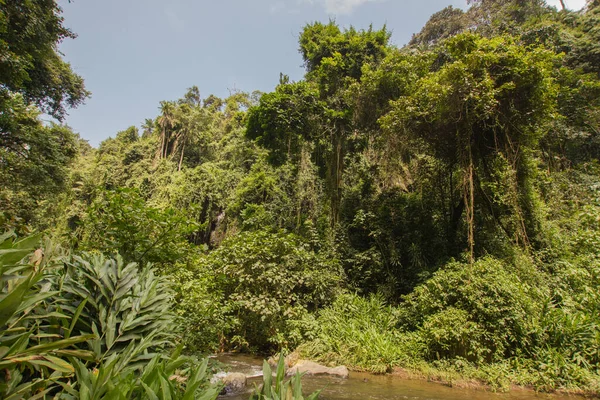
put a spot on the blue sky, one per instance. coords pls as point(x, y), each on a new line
point(135, 53)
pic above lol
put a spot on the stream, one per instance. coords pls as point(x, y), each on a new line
point(376, 387)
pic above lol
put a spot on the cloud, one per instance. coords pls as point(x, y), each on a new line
point(340, 6)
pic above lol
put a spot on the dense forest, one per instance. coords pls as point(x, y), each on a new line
point(434, 207)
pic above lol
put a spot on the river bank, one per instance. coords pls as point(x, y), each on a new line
point(401, 384)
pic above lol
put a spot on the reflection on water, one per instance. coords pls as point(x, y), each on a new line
point(372, 387)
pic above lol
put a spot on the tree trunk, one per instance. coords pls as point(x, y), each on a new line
point(162, 144)
point(181, 158)
point(337, 161)
point(562, 4)
point(470, 205)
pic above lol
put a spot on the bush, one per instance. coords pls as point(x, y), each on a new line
point(121, 222)
point(269, 282)
point(53, 309)
point(119, 303)
point(489, 303)
point(202, 312)
point(34, 342)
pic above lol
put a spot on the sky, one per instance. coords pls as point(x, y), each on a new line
point(133, 54)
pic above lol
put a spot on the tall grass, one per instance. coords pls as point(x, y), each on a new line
point(362, 333)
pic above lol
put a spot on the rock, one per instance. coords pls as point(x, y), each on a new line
point(312, 368)
point(234, 382)
point(290, 360)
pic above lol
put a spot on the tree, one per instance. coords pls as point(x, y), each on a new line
point(121, 221)
point(168, 125)
point(284, 119)
point(31, 64)
point(33, 157)
point(333, 60)
point(34, 161)
point(482, 113)
point(443, 24)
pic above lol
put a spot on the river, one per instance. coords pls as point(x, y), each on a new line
point(374, 387)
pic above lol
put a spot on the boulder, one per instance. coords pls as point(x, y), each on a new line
point(312, 368)
point(290, 360)
point(234, 382)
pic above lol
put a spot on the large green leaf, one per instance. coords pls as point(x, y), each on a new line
point(10, 303)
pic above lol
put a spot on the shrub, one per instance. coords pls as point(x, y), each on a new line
point(163, 378)
point(33, 353)
point(269, 281)
point(120, 303)
point(53, 308)
point(202, 312)
point(121, 222)
point(482, 311)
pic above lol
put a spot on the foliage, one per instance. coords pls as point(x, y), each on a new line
point(361, 333)
point(51, 314)
point(280, 389)
point(120, 303)
point(31, 63)
point(269, 281)
point(452, 183)
point(441, 25)
point(486, 104)
point(122, 222)
point(160, 378)
point(32, 356)
point(283, 118)
point(203, 315)
point(479, 312)
point(34, 163)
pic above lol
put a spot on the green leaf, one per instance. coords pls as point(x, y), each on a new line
point(59, 344)
point(12, 256)
point(149, 392)
point(12, 301)
point(28, 243)
point(82, 354)
point(209, 394)
point(76, 316)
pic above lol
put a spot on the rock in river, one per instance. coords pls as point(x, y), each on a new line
point(312, 368)
point(234, 382)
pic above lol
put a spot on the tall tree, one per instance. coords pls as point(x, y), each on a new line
point(334, 59)
point(167, 123)
point(34, 161)
point(30, 62)
point(481, 113)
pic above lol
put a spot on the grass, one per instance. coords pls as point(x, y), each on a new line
point(363, 334)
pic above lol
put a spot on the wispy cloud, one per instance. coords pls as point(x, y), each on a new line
point(287, 6)
point(331, 6)
point(343, 6)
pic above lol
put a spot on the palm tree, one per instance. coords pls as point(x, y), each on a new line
point(166, 123)
point(183, 117)
point(147, 127)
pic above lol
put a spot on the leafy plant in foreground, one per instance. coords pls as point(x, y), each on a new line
point(120, 303)
point(280, 389)
point(32, 358)
point(173, 378)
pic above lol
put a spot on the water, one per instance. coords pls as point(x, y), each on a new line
point(373, 387)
